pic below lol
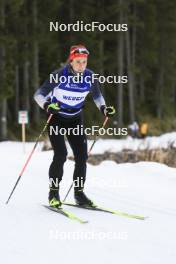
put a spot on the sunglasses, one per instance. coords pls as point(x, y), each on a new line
point(81, 51)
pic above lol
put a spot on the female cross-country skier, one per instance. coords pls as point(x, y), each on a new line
point(65, 100)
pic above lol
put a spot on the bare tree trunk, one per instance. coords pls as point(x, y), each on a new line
point(130, 77)
point(35, 61)
point(120, 58)
point(71, 13)
point(25, 58)
point(3, 101)
point(160, 92)
point(101, 60)
point(3, 129)
point(134, 49)
point(16, 91)
point(100, 6)
point(35, 84)
point(173, 98)
point(26, 102)
point(142, 89)
point(160, 83)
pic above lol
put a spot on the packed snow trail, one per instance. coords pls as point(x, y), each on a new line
point(32, 234)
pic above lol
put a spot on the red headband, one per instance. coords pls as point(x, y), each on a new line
point(78, 52)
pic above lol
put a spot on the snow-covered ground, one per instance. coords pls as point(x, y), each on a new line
point(32, 234)
point(129, 143)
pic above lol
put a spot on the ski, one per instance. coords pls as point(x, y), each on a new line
point(66, 213)
point(101, 209)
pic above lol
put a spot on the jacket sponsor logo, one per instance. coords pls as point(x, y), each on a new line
point(73, 98)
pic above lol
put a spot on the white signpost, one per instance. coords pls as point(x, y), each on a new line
point(23, 120)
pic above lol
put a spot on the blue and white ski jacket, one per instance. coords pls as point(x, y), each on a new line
point(67, 93)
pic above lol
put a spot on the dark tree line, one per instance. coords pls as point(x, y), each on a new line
point(146, 53)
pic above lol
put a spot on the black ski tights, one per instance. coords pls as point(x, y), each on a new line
point(78, 144)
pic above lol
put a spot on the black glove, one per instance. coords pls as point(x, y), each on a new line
point(51, 108)
point(108, 110)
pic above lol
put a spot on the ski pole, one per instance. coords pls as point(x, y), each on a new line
point(96, 136)
point(29, 157)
